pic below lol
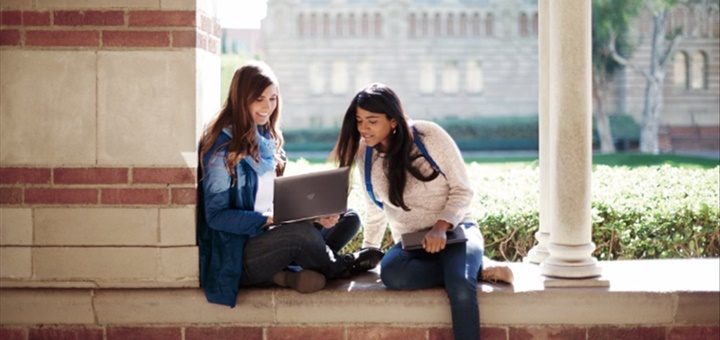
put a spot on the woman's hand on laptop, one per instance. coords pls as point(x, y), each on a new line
point(328, 221)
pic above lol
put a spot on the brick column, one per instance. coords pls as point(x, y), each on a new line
point(102, 105)
point(539, 252)
point(570, 145)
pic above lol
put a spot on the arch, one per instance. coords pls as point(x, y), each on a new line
point(351, 25)
point(535, 23)
point(326, 25)
point(450, 25)
point(680, 70)
point(698, 70)
point(316, 74)
point(339, 81)
point(450, 77)
point(313, 25)
point(339, 25)
point(424, 25)
point(437, 25)
point(365, 25)
point(474, 80)
point(427, 77)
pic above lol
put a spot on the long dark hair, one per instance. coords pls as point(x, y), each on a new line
point(379, 98)
point(248, 83)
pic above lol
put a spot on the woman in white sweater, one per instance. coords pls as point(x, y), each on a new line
point(410, 190)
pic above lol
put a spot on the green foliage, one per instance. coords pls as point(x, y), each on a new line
point(637, 213)
point(612, 18)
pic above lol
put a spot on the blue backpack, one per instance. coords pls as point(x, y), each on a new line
point(368, 165)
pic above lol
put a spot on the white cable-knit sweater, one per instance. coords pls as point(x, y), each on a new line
point(445, 198)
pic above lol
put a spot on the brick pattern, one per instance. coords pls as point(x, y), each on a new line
point(23, 186)
point(109, 29)
point(330, 332)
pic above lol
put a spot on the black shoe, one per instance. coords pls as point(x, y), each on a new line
point(365, 260)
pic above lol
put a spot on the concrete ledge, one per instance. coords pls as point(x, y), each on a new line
point(653, 293)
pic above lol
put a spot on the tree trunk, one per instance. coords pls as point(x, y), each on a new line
point(607, 145)
point(653, 91)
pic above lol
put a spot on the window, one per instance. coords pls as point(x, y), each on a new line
point(680, 66)
point(450, 78)
point(365, 25)
point(698, 71)
point(535, 24)
point(474, 77)
point(489, 22)
point(427, 77)
point(463, 25)
point(313, 25)
point(339, 77)
point(339, 25)
point(437, 24)
point(412, 25)
point(523, 27)
point(424, 25)
point(301, 25)
point(378, 25)
point(450, 25)
point(362, 75)
point(316, 75)
point(351, 25)
point(476, 25)
point(326, 25)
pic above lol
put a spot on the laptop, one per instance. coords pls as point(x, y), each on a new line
point(311, 195)
point(413, 241)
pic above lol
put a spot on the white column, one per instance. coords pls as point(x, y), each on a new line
point(539, 252)
point(570, 110)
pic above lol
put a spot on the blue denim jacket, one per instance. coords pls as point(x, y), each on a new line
point(225, 221)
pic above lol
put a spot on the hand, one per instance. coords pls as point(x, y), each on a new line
point(328, 221)
point(435, 239)
point(268, 221)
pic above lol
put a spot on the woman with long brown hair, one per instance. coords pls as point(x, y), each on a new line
point(240, 155)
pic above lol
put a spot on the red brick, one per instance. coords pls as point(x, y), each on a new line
point(164, 175)
point(136, 38)
point(162, 18)
point(486, 333)
point(386, 333)
point(183, 38)
point(549, 333)
point(13, 333)
point(710, 131)
point(24, 175)
point(184, 195)
point(11, 195)
point(90, 175)
point(682, 131)
point(65, 333)
point(134, 196)
point(9, 37)
point(94, 18)
point(694, 333)
point(60, 196)
point(10, 18)
point(637, 333)
point(155, 333)
point(36, 18)
point(315, 333)
point(222, 333)
point(62, 38)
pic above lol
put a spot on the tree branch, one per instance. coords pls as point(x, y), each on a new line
point(622, 60)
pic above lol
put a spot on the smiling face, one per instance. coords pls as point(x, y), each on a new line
point(375, 128)
point(262, 107)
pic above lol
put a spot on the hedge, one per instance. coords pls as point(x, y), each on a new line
point(474, 134)
point(637, 213)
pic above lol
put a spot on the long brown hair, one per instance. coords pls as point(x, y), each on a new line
point(379, 98)
point(248, 83)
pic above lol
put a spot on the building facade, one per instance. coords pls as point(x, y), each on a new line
point(460, 58)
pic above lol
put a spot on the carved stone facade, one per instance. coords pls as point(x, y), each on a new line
point(461, 58)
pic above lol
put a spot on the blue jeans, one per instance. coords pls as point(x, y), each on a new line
point(456, 268)
point(299, 244)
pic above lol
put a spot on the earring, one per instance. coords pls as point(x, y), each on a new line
point(394, 131)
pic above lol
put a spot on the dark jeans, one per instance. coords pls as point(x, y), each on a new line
point(298, 243)
point(456, 268)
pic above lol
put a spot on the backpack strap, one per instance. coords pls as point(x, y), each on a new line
point(368, 165)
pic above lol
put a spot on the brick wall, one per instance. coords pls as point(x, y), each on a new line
point(102, 105)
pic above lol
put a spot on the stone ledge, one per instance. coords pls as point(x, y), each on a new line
point(664, 293)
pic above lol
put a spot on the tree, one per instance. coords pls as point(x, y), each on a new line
point(662, 45)
point(610, 18)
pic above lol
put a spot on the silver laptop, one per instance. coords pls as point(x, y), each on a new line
point(310, 195)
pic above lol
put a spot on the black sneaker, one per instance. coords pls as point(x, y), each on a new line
point(304, 281)
point(364, 260)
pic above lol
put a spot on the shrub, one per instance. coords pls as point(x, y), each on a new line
point(637, 213)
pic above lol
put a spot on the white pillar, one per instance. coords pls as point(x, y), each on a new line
point(539, 252)
point(570, 144)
